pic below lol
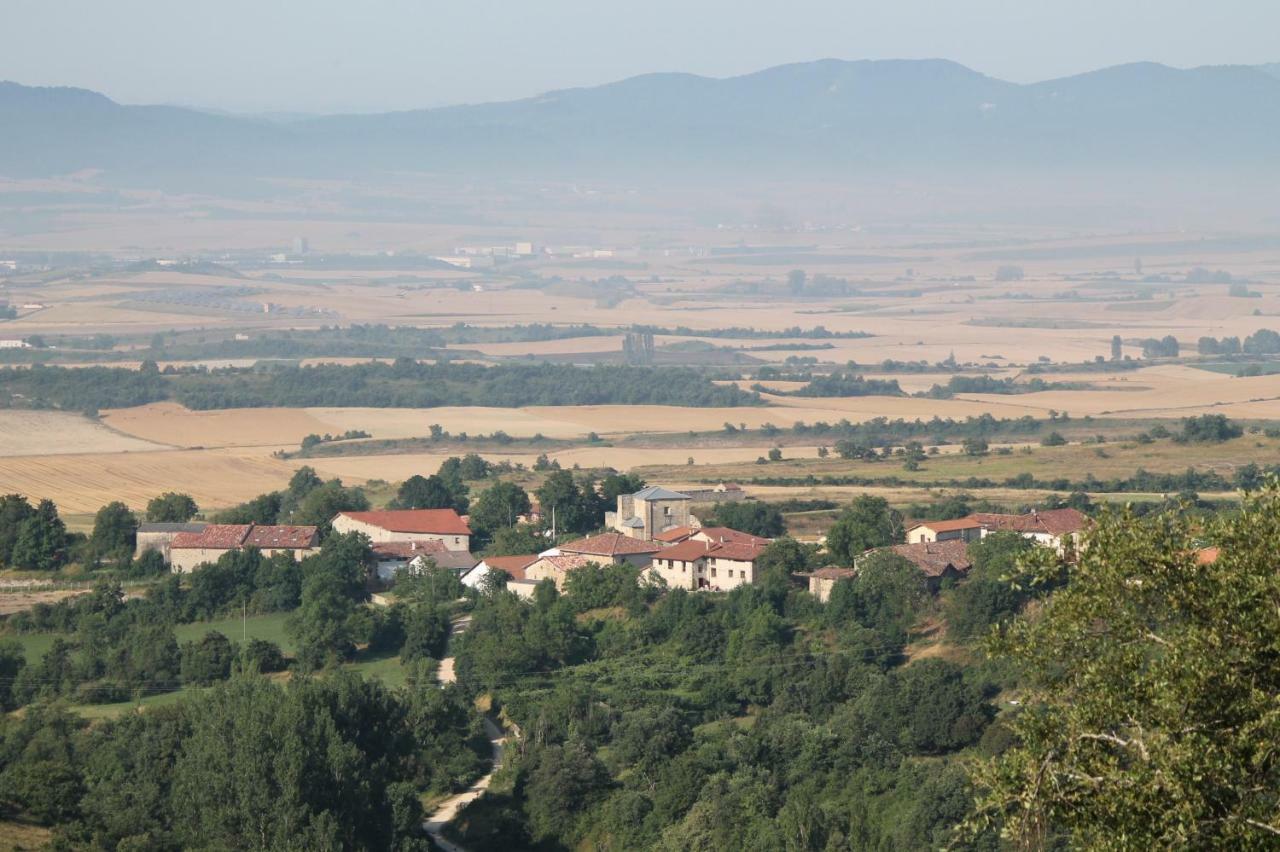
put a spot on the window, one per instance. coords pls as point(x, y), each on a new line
point(713, 572)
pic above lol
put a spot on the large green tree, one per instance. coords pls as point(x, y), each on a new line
point(114, 530)
point(14, 509)
point(868, 522)
point(499, 506)
point(1153, 691)
point(171, 508)
point(41, 543)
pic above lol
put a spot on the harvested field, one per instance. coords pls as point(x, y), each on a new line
point(83, 483)
point(239, 427)
point(36, 433)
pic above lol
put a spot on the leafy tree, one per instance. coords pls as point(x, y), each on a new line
point(1153, 691)
point(868, 522)
point(1053, 439)
point(14, 509)
point(517, 541)
point(41, 541)
point(995, 588)
point(974, 446)
point(749, 516)
point(500, 505)
point(171, 508)
point(209, 660)
point(431, 492)
point(259, 655)
point(616, 484)
point(575, 506)
point(114, 530)
point(12, 662)
point(889, 592)
point(563, 781)
point(321, 504)
point(1209, 428)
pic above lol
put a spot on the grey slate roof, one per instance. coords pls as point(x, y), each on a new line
point(657, 492)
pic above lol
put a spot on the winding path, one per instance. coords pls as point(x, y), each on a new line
point(447, 810)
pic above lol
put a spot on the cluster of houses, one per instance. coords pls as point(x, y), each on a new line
point(652, 529)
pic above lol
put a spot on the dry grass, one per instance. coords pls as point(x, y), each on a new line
point(38, 433)
point(83, 483)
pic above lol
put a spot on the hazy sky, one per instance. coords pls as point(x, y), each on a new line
point(362, 55)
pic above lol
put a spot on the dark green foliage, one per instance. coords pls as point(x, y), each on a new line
point(516, 541)
point(171, 508)
point(749, 516)
point(990, 592)
point(1209, 428)
point(14, 509)
point(500, 506)
point(578, 507)
point(259, 655)
point(847, 384)
point(40, 543)
point(867, 522)
point(209, 660)
point(1165, 347)
point(431, 492)
point(114, 531)
point(405, 384)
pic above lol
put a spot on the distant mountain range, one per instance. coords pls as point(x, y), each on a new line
point(818, 118)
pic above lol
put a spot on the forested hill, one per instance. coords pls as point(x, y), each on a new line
point(404, 384)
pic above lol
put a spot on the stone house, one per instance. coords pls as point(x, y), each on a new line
point(648, 512)
point(388, 525)
point(190, 550)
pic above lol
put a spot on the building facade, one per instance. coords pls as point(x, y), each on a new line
point(395, 525)
point(189, 550)
point(650, 511)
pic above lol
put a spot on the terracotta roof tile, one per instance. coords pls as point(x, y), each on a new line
point(686, 551)
point(407, 549)
point(434, 521)
point(513, 566)
point(832, 572)
point(675, 534)
point(262, 536)
point(725, 535)
point(610, 544)
point(969, 523)
point(934, 558)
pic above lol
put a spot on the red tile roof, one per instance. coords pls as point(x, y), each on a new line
point(725, 535)
point(565, 563)
point(212, 537)
point(232, 536)
point(832, 572)
point(695, 549)
point(434, 521)
point(675, 534)
point(513, 566)
point(610, 544)
point(969, 523)
point(934, 558)
point(1207, 555)
point(1050, 521)
point(406, 549)
point(686, 551)
point(739, 551)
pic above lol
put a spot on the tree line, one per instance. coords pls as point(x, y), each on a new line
point(403, 384)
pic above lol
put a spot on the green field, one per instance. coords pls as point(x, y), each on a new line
point(1073, 461)
point(270, 627)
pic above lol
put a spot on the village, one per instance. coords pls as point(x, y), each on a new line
point(652, 530)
